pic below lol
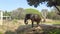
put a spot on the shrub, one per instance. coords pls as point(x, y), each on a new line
point(0, 32)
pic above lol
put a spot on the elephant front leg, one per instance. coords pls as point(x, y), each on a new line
point(37, 24)
point(32, 24)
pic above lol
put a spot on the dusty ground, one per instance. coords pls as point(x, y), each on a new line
point(20, 26)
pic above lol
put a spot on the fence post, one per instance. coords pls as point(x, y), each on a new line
point(1, 18)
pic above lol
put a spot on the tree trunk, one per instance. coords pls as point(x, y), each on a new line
point(44, 20)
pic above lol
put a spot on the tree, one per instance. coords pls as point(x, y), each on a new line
point(50, 3)
point(6, 13)
point(44, 13)
point(52, 15)
point(32, 11)
point(18, 13)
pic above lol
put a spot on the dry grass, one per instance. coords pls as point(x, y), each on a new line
point(9, 25)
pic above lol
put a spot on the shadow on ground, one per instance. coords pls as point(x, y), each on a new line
point(27, 29)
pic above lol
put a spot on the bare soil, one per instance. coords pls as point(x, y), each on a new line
point(19, 27)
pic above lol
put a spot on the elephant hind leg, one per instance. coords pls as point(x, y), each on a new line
point(32, 24)
point(37, 24)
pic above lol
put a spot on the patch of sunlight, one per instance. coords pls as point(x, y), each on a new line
point(52, 22)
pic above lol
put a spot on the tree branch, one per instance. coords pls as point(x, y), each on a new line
point(57, 9)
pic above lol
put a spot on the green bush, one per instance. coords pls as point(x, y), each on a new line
point(0, 32)
point(54, 31)
point(53, 15)
point(32, 11)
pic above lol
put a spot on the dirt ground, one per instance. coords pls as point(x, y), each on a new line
point(19, 26)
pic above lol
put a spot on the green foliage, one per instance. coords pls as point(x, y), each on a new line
point(54, 31)
point(53, 15)
point(32, 11)
point(50, 3)
point(18, 13)
point(0, 32)
point(6, 13)
point(34, 3)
